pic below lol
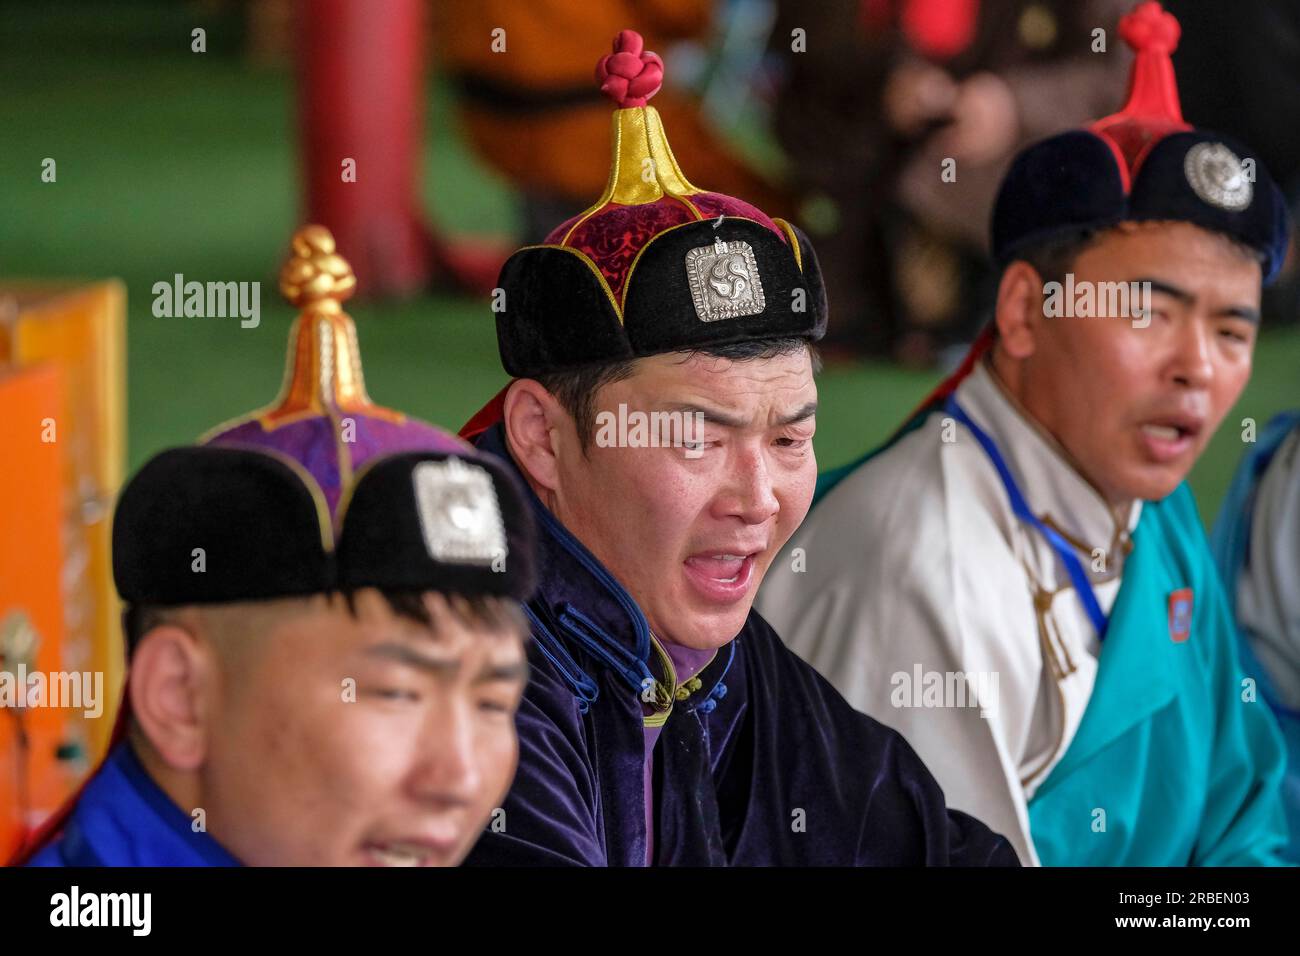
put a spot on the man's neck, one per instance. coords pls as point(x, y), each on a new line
point(1008, 375)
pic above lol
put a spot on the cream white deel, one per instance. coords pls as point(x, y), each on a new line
point(914, 564)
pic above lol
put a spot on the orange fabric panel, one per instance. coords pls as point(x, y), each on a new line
point(33, 782)
point(82, 330)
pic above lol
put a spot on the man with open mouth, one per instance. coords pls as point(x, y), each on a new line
point(323, 623)
point(664, 722)
point(1031, 521)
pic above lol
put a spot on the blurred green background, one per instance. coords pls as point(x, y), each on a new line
point(171, 161)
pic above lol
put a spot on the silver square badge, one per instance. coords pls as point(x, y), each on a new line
point(459, 514)
point(724, 281)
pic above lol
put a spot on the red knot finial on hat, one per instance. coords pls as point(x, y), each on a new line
point(1150, 27)
point(631, 74)
point(1152, 111)
point(1152, 33)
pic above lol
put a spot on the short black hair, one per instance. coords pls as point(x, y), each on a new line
point(484, 611)
point(1053, 258)
point(575, 389)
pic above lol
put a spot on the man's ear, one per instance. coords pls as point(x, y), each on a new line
point(1019, 312)
point(171, 680)
point(533, 418)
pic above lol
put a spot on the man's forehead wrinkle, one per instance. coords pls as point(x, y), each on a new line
point(746, 386)
point(791, 394)
point(721, 365)
point(763, 417)
point(756, 371)
point(741, 393)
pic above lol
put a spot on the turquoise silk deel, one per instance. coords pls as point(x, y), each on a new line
point(1177, 760)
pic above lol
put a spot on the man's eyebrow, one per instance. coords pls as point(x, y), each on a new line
point(513, 671)
point(803, 414)
point(716, 417)
point(405, 655)
point(1249, 313)
point(516, 671)
point(1166, 288)
point(711, 415)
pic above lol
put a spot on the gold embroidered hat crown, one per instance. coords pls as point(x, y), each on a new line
point(656, 264)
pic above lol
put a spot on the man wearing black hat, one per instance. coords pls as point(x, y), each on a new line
point(1019, 581)
point(662, 415)
point(326, 647)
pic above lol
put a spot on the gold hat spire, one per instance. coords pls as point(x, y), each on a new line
point(643, 168)
point(323, 372)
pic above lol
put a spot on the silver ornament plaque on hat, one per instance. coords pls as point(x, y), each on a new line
point(724, 281)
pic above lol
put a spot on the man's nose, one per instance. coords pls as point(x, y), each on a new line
point(750, 492)
point(1192, 364)
point(447, 769)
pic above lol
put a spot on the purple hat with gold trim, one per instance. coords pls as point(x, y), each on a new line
point(323, 489)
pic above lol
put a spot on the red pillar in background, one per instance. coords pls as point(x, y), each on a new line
point(360, 70)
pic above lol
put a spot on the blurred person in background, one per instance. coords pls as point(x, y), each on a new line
point(1257, 547)
point(532, 113)
point(885, 92)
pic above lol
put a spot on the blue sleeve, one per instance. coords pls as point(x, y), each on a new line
point(1243, 823)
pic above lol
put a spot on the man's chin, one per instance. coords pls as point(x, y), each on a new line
point(1152, 483)
point(719, 627)
point(706, 628)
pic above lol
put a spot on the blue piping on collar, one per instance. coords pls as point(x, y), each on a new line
point(588, 560)
point(607, 648)
point(599, 641)
point(584, 688)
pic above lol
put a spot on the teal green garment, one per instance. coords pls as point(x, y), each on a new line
point(1176, 761)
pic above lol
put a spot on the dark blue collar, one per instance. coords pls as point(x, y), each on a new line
point(123, 818)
